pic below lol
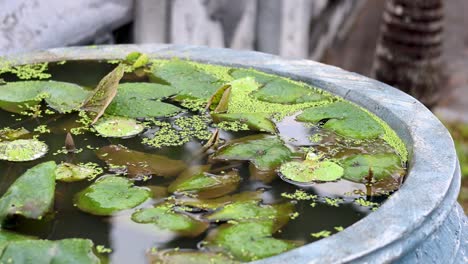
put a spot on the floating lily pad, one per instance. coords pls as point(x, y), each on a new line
point(142, 100)
point(140, 163)
point(7, 237)
point(345, 119)
point(189, 257)
point(380, 166)
point(213, 204)
point(167, 218)
point(68, 172)
point(255, 121)
point(61, 96)
point(249, 211)
point(12, 134)
point(190, 81)
point(73, 250)
point(205, 185)
point(279, 90)
point(249, 241)
point(119, 127)
point(110, 194)
point(265, 152)
point(311, 170)
point(32, 194)
point(104, 93)
point(22, 150)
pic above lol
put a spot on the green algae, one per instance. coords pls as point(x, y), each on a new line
point(27, 71)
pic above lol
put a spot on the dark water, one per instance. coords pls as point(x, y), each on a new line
point(129, 240)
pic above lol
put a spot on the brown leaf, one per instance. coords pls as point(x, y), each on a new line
point(105, 91)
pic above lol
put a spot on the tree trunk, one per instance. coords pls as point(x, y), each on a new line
point(409, 50)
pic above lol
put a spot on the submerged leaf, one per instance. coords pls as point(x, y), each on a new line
point(205, 185)
point(12, 134)
point(103, 94)
point(68, 172)
point(140, 163)
point(249, 241)
point(32, 194)
point(22, 150)
point(142, 100)
point(345, 119)
point(119, 127)
point(265, 152)
point(380, 166)
point(189, 257)
point(72, 250)
point(167, 218)
point(254, 121)
point(311, 170)
point(62, 96)
point(213, 204)
point(190, 81)
point(276, 89)
point(249, 211)
point(110, 194)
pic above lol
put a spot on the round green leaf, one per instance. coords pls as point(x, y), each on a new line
point(189, 257)
point(22, 150)
point(380, 166)
point(110, 194)
point(311, 170)
point(165, 217)
point(119, 127)
point(68, 172)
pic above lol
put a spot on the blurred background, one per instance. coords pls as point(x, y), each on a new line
point(418, 46)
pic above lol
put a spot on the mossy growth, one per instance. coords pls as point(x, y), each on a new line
point(27, 71)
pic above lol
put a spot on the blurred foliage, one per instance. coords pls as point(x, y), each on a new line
point(459, 133)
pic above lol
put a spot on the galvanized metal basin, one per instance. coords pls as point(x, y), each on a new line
point(420, 223)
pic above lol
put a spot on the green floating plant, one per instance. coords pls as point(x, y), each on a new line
point(189, 257)
point(265, 152)
point(19, 96)
point(362, 167)
point(32, 194)
point(142, 100)
point(311, 171)
point(345, 119)
point(190, 81)
point(110, 194)
point(249, 241)
point(22, 150)
point(72, 250)
point(255, 121)
point(118, 127)
point(166, 217)
point(68, 172)
point(214, 204)
point(205, 185)
point(280, 90)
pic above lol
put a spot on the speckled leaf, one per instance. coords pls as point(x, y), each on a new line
point(188, 257)
point(249, 211)
point(279, 90)
point(205, 185)
point(110, 194)
point(249, 241)
point(119, 127)
point(311, 170)
point(142, 100)
point(32, 194)
point(7, 237)
point(70, 251)
point(255, 121)
point(140, 163)
point(167, 218)
point(104, 93)
point(345, 119)
point(22, 150)
point(265, 152)
point(62, 96)
point(213, 204)
point(68, 172)
point(190, 81)
point(9, 134)
point(380, 166)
